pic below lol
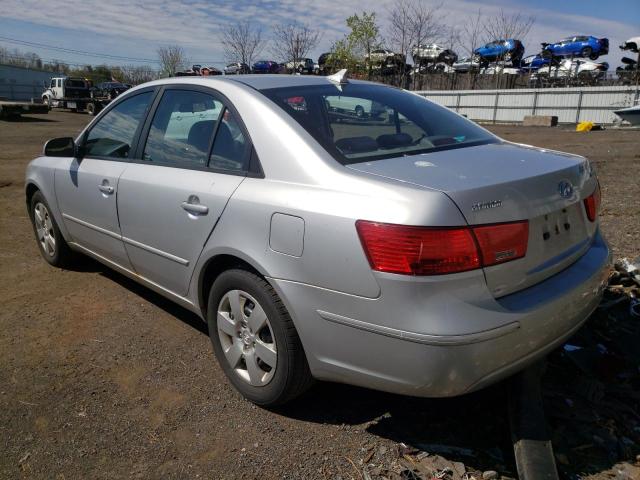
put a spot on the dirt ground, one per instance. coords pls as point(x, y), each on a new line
point(101, 378)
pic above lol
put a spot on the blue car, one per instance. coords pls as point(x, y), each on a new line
point(265, 66)
point(577, 46)
point(510, 50)
point(534, 62)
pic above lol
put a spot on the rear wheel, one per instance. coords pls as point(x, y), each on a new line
point(53, 247)
point(254, 339)
point(586, 52)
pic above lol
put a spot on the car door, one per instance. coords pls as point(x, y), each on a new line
point(87, 190)
point(170, 201)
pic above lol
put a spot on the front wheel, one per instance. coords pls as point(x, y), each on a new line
point(254, 339)
point(53, 247)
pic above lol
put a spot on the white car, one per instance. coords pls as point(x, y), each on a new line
point(359, 107)
point(432, 52)
point(574, 68)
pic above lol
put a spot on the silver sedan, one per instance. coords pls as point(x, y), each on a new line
point(330, 229)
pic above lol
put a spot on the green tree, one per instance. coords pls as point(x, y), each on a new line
point(364, 35)
point(341, 56)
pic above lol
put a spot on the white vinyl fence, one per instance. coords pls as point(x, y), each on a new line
point(570, 105)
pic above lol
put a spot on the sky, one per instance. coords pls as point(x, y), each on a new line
point(136, 28)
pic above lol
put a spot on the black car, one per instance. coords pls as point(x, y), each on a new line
point(109, 89)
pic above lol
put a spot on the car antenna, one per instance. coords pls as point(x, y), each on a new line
point(339, 78)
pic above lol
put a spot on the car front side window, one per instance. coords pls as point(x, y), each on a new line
point(113, 135)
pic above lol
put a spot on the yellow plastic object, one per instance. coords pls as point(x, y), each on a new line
point(584, 127)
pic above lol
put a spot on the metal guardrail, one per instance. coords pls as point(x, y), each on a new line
point(570, 105)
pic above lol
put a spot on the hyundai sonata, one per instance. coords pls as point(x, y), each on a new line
point(410, 251)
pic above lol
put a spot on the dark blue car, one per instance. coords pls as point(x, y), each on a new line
point(265, 66)
point(534, 62)
point(586, 46)
point(510, 50)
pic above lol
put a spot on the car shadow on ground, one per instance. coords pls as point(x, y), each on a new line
point(473, 429)
point(172, 308)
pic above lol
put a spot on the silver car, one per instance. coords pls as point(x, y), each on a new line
point(412, 251)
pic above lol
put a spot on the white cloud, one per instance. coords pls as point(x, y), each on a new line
point(136, 27)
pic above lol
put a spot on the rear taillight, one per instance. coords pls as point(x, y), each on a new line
point(412, 250)
point(502, 242)
point(592, 204)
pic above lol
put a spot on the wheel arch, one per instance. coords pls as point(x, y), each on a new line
point(216, 265)
point(30, 189)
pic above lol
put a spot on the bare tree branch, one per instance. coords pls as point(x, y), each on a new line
point(427, 22)
point(242, 42)
point(503, 26)
point(400, 26)
point(471, 32)
point(293, 42)
point(172, 59)
point(137, 74)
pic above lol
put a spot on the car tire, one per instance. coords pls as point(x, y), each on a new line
point(238, 342)
point(91, 109)
point(586, 52)
point(359, 111)
point(52, 245)
point(47, 102)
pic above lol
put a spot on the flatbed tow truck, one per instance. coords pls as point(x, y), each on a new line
point(73, 94)
point(12, 109)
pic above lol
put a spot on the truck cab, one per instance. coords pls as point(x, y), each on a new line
point(65, 87)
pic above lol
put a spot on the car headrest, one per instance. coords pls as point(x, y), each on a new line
point(356, 144)
point(392, 140)
point(200, 134)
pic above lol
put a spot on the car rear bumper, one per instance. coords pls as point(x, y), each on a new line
point(442, 336)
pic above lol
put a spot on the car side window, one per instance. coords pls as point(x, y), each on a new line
point(113, 135)
point(230, 147)
point(182, 128)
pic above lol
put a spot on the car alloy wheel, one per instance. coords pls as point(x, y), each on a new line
point(44, 229)
point(246, 337)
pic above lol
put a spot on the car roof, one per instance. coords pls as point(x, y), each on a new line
point(258, 82)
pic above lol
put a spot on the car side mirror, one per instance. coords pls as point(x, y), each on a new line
point(60, 147)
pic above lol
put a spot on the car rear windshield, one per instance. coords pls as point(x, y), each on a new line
point(360, 122)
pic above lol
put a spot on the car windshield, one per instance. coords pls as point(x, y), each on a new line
point(363, 122)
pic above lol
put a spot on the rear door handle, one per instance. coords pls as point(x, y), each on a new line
point(106, 189)
point(192, 205)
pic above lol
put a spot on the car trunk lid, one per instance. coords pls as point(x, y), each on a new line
point(505, 182)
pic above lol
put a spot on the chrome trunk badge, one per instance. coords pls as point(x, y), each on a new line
point(565, 189)
point(476, 207)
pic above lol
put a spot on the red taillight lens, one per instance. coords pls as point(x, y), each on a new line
point(502, 242)
point(411, 250)
point(592, 204)
point(417, 250)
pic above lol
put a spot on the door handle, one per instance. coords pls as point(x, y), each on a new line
point(192, 205)
point(106, 189)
